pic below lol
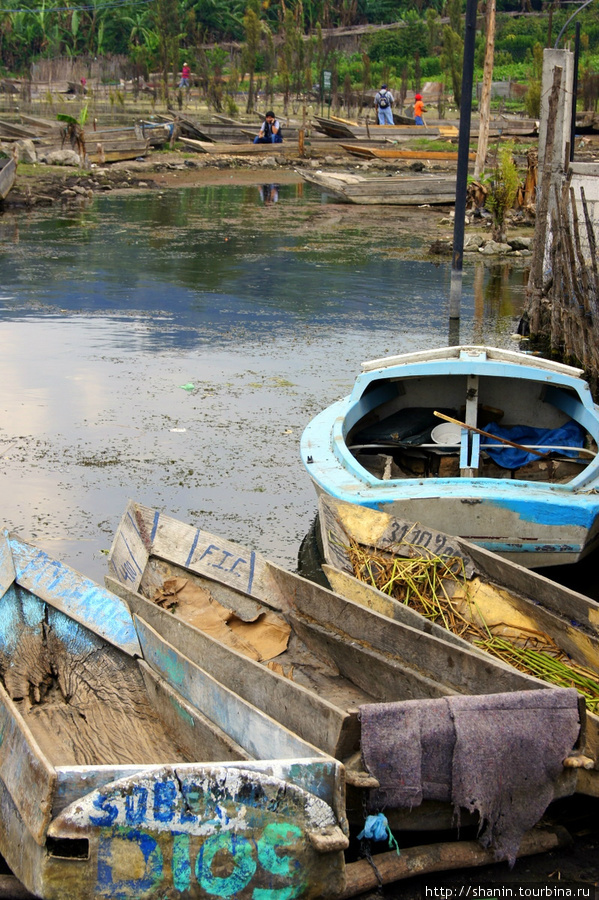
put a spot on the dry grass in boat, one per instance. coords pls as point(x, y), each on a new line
point(429, 584)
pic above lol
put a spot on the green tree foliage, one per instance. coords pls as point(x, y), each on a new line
point(503, 190)
point(452, 57)
point(251, 47)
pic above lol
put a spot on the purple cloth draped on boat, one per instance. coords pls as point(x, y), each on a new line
point(499, 755)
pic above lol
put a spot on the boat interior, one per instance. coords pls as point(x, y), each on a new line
point(475, 426)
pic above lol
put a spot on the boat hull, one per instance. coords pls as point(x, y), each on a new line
point(521, 515)
point(120, 774)
point(340, 654)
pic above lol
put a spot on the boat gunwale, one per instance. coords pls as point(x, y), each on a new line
point(341, 410)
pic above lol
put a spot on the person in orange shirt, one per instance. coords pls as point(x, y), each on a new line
point(419, 109)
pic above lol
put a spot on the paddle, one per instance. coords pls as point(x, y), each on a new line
point(494, 436)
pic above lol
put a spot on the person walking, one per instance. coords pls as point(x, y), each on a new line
point(270, 133)
point(383, 101)
point(419, 109)
point(185, 76)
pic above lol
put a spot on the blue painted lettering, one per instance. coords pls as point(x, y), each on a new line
point(221, 564)
point(181, 864)
point(236, 563)
point(108, 861)
point(109, 809)
point(240, 851)
point(165, 796)
point(136, 805)
point(127, 572)
point(208, 551)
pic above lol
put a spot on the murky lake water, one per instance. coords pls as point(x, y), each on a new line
point(172, 346)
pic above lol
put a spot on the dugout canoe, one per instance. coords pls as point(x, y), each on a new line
point(316, 661)
point(513, 603)
point(394, 190)
point(130, 775)
point(8, 174)
point(396, 153)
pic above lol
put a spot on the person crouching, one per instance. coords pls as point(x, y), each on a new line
point(270, 133)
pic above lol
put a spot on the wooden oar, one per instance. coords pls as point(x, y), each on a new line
point(494, 436)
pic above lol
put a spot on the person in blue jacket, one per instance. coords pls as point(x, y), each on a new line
point(383, 100)
point(270, 133)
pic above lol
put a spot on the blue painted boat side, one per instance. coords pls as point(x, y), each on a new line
point(78, 597)
point(260, 735)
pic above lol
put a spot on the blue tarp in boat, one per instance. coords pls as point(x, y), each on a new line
point(568, 435)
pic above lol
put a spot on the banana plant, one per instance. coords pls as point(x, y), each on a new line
point(73, 130)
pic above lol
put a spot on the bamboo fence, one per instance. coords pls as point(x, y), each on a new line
point(563, 311)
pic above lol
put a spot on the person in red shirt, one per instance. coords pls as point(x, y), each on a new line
point(419, 109)
point(185, 76)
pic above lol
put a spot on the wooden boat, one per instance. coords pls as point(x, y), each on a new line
point(124, 775)
point(396, 153)
point(395, 190)
point(316, 661)
point(510, 602)
point(8, 174)
point(337, 128)
point(217, 148)
point(537, 506)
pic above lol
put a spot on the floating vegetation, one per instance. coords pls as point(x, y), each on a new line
point(437, 587)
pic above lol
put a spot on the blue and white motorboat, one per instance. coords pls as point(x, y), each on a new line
point(493, 445)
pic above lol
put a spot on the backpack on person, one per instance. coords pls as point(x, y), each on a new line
point(383, 100)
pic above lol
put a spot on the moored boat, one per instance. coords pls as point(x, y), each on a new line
point(8, 174)
point(514, 469)
point(124, 775)
point(325, 667)
point(460, 591)
point(395, 190)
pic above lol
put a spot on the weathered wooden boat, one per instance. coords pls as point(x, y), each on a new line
point(100, 150)
point(337, 128)
point(394, 190)
point(516, 607)
point(217, 148)
point(535, 502)
point(324, 666)
point(8, 174)
point(369, 152)
point(124, 775)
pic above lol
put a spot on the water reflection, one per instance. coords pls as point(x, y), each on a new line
point(107, 311)
point(207, 260)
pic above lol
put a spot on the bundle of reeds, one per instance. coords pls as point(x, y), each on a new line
point(437, 587)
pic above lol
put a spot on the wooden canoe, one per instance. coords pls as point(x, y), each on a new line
point(508, 598)
point(394, 153)
point(129, 775)
point(8, 174)
point(313, 659)
point(221, 149)
point(394, 190)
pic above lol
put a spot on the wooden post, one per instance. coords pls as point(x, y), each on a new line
point(535, 281)
point(485, 97)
